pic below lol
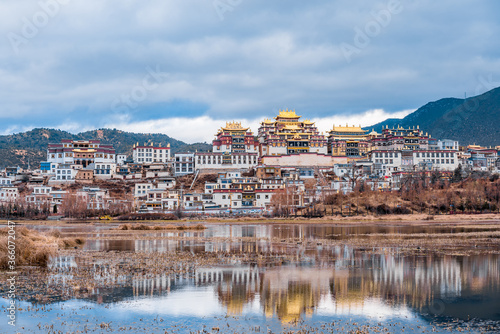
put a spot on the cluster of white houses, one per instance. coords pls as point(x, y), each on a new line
point(285, 152)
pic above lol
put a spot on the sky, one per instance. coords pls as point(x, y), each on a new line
point(184, 68)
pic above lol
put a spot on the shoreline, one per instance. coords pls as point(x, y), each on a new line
point(365, 220)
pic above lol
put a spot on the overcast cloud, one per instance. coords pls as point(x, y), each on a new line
point(185, 67)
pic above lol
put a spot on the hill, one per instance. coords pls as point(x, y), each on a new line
point(472, 120)
point(31, 146)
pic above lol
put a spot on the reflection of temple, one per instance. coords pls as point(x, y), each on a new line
point(235, 287)
point(349, 283)
point(293, 292)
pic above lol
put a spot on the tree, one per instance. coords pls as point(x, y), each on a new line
point(457, 174)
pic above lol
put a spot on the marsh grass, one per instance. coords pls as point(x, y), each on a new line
point(170, 227)
point(34, 248)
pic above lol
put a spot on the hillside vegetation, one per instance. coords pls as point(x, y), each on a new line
point(470, 121)
point(19, 148)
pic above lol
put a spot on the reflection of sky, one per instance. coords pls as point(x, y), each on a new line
point(193, 302)
point(370, 307)
point(190, 310)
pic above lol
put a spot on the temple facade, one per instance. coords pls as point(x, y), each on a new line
point(400, 138)
point(349, 141)
point(287, 134)
point(79, 152)
point(234, 138)
point(234, 147)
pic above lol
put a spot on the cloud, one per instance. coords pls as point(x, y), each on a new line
point(263, 56)
point(204, 128)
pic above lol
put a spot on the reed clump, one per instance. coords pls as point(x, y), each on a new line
point(31, 247)
point(170, 227)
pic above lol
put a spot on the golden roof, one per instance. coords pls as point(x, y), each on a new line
point(287, 114)
point(308, 122)
point(268, 121)
point(234, 126)
point(348, 128)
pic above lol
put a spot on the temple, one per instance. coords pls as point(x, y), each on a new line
point(287, 134)
point(234, 147)
point(400, 138)
point(350, 141)
point(235, 138)
point(79, 152)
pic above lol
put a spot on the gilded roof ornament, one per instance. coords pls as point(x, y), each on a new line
point(287, 114)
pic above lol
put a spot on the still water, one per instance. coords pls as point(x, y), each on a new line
point(319, 288)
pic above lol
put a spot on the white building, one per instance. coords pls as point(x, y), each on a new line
point(388, 160)
point(263, 197)
point(151, 154)
point(58, 196)
point(184, 164)
point(5, 182)
point(40, 196)
point(448, 144)
point(141, 189)
point(441, 160)
point(65, 173)
point(9, 194)
point(224, 161)
point(120, 159)
point(94, 197)
point(44, 190)
point(104, 170)
point(228, 198)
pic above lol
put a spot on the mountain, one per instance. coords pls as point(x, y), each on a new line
point(31, 146)
point(470, 121)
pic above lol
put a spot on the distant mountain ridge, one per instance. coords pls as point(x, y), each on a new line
point(31, 146)
point(473, 120)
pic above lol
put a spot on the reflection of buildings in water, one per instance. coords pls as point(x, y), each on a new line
point(294, 291)
point(481, 270)
point(156, 245)
point(238, 231)
point(235, 287)
point(109, 245)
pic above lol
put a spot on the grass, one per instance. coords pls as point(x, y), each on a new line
point(33, 248)
point(142, 227)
